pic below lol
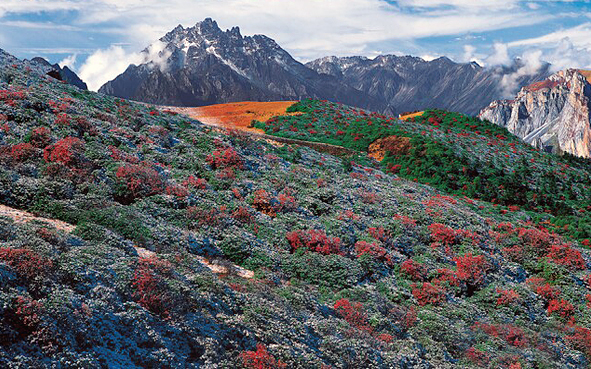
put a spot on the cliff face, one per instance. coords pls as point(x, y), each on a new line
point(551, 114)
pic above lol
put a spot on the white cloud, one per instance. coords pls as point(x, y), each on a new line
point(500, 55)
point(105, 65)
point(531, 64)
point(565, 48)
point(333, 27)
point(69, 61)
point(39, 25)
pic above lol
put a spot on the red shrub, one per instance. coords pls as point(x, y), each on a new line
point(515, 337)
point(224, 158)
point(416, 271)
point(28, 311)
point(562, 308)
point(471, 269)
point(443, 234)
point(314, 240)
point(62, 119)
point(140, 180)
point(536, 240)
point(27, 263)
point(353, 313)
point(263, 202)
point(287, 202)
point(178, 191)
point(428, 294)
point(543, 289)
point(194, 182)
point(507, 297)
point(366, 248)
point(260, 359)
point(151, 290)
point(211, 217)
point(242, 214)
point(379, 234)
point(22, 152)
point(447, 276)
point(581, 339)
point(567, 256)
point(67, 151)
point(386, 338)
point(40, 137)
point(478, 357)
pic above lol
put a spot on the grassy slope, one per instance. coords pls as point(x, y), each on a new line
point(460, 155)
point(354, 267)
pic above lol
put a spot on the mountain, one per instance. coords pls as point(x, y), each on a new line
point(135, 237)
point(203, 65)
point(553, 114)
point(63, 74)
point(409, 83)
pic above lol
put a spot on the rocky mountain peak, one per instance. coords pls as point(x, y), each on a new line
point(553, 114)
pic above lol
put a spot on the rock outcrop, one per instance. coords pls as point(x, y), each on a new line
point(553, 115)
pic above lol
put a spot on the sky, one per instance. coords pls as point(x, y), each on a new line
point(99, 38)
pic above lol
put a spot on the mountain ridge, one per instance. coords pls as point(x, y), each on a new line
point(203, 65)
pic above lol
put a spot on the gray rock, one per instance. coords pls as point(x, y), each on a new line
point(552, 115)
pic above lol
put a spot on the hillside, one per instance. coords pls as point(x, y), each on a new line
point(355, 263)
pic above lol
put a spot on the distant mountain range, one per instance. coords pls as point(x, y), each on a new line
point(204, 65)
point(554, 114)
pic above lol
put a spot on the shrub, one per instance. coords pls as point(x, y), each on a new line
point(567, 256)
point(194, 182)
point(515, 337)
point(26, 262)
point(581, 339)
point(428, 294)
point(543, 289)
point(443, 234)
point(67, 151)
point(260, 359)
point(224, 158)
point(262, 202)
point(22, 152)
point(314, 240)
point(377, 252)
point(416, 271)
point(151, 290)
point(471, 269)
point(353, 313)
point(562, 308)
point(40, 137)
point(140, 180)
point(507, 297)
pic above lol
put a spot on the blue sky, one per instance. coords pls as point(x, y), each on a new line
point(99, 38)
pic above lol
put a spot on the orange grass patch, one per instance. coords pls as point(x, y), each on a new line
point(408, 116)
point(237, 115)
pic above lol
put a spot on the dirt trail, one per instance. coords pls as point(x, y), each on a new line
point(21, 216)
